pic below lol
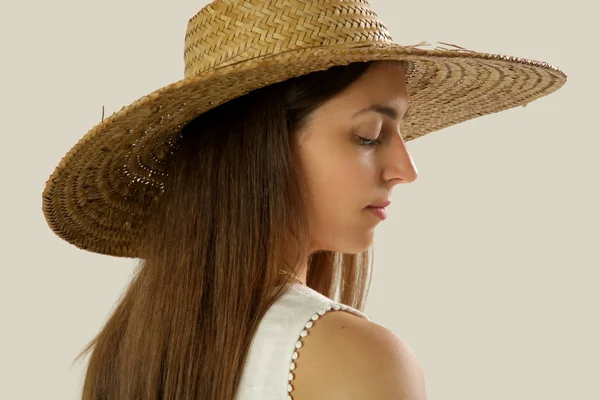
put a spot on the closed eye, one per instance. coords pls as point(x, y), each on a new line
point(368, 142)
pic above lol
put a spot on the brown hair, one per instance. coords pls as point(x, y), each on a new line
point(233, 214)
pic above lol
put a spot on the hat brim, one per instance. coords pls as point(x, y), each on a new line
point(98, 196)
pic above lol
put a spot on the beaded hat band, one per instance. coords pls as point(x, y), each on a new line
point(99, 195)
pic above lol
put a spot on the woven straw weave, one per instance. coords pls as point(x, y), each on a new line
point(99, 195)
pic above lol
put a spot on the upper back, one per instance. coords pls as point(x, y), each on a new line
point(308, 346)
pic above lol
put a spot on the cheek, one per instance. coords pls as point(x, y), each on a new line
point(338, 220)
point(337, 186)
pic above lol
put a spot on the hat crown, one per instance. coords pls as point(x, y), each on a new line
point(229, 31)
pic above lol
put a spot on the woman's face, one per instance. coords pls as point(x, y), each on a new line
point(346, 174)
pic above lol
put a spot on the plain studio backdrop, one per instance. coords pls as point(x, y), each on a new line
point(487, 265)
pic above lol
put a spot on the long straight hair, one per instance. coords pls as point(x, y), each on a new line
point(234, 213)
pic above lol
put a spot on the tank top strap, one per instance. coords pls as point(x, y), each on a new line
point(269, 368)
point(320, 307)
point(324, 300)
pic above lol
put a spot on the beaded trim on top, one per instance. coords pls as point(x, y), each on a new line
point(304, 333)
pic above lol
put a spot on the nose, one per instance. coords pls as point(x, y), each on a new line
point(399, 166)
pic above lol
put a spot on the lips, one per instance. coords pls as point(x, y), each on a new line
point(380, 212)
point(380, 205)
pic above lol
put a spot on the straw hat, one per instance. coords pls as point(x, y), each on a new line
point(99, 194)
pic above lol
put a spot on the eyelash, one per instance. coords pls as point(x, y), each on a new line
point(371, 142)
point(375, 142)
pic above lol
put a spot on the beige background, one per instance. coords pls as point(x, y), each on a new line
point(487, 265)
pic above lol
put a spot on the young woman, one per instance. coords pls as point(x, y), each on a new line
point(250, 191)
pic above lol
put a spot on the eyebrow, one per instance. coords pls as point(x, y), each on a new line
point(381, 109)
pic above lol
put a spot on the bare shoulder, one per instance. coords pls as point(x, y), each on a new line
point(350, 358)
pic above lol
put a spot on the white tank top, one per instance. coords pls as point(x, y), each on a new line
point(269, 369)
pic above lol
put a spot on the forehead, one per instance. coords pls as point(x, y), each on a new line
point(383, 83)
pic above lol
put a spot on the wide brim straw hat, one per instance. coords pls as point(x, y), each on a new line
point(99, 195)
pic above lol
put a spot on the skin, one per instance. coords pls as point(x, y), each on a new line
point(344, 173)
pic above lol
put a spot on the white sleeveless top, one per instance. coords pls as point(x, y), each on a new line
point(268, 371)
